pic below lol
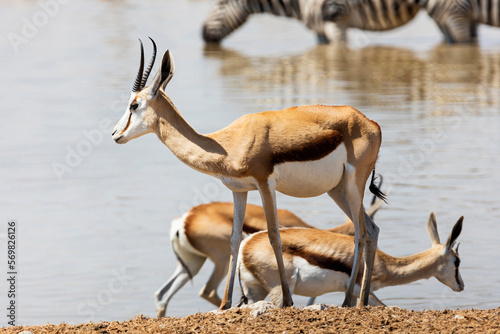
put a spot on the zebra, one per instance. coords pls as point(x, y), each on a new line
point(329, 19)
point(458, 19)
point(375, 15)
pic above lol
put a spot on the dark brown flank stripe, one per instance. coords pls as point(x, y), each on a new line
point(250, 229)
point(322, 261)
point(313, 150)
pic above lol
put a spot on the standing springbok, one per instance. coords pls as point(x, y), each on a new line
point(300, 151)
point(318, 262)
point(204, 232)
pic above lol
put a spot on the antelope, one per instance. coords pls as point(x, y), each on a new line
point(319, 262)
point(301, 151)
point(204, 232)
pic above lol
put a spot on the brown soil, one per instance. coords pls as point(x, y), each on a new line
point(294, 320)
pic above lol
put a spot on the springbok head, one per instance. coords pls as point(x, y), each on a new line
point(140, 116)
point(448, 269)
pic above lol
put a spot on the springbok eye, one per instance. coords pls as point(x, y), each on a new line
point(457, 262)
point(134, 106)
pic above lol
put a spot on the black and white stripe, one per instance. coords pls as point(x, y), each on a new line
point(228, 15)
point(328, 18)
point(376, 15)
point(458, 19)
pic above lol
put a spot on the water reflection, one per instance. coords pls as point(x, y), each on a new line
point(111, 212)
point(447, 74)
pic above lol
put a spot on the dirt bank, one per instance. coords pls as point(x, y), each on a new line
point(294, 320)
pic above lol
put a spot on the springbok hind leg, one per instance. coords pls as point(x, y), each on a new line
point(349, 199)
point(370, 250)
point(178, 279)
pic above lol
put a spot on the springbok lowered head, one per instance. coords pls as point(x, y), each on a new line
point(303, 151)
point(447, 270)
point(319, 262)
point(204, 232)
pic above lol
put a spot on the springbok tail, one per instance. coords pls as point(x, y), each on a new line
point(374, 198)
point(375, 189)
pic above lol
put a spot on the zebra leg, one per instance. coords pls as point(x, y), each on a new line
point(473, 30)
point(334, 33)
point(322, 39)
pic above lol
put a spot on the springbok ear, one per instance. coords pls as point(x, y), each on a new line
point(455, 232)
point(164, 75)
point(432, 229)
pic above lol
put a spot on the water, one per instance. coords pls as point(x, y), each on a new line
point(93, 217)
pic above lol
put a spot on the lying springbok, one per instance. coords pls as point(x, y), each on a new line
point(303, 151)
point(204, 232)
point(318, 262)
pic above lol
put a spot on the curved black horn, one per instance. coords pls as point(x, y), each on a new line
point(150, 65)
point(138, 80)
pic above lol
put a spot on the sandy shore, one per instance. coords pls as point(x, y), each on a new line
point(315, 319)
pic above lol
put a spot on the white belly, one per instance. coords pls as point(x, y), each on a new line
point(313, 281)
point(311, 178)
point(299, 179)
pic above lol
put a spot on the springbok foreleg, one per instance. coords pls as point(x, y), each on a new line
point(240, 204)
point(268, 196)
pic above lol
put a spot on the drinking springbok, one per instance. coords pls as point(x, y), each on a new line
point(301, 151)
point(318, 262)
point(204, 232)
